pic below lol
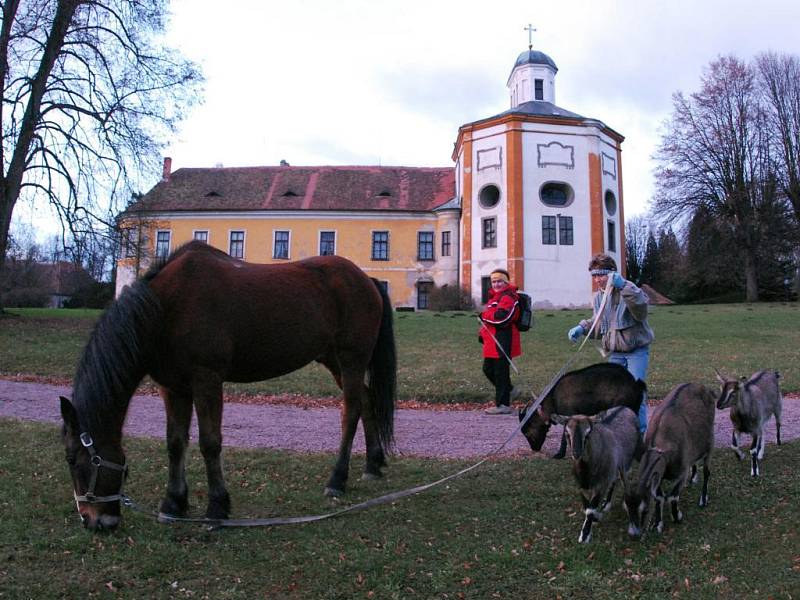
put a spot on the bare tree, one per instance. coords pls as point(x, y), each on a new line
point(780, 84)
point(89, 94)
point(715, 154)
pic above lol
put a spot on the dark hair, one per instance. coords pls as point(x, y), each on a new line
point(503, 271)
point(602, 261)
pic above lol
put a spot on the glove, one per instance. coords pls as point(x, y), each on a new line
point(617, 280)
point(575, 333)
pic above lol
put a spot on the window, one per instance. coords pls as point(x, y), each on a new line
point(280, 247)
point(538, 89)
point(548, 230)
point(201, 236)
point(489, 239)
point(445, 243)
point(556, 194)
point(565, 231)
point(423, 294)
point(611, 203)
point(236, 246)
point(489, 196)
point(612, 236)
point(162, 244)
point(327, 243)
point(380, 245)
point(425, 245)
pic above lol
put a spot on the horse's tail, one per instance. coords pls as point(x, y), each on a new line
point(383, 373)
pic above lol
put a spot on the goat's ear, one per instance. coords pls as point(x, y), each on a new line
point(559, 419)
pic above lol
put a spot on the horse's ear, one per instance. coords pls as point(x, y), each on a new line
point(68, 413)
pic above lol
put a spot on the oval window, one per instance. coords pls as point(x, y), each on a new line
point(556, 194)
point(489, 196)
point(611, 203)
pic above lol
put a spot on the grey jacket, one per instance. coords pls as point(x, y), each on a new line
point(623, 327)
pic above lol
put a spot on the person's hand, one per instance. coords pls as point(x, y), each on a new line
point(575, 333)
point(617, 280)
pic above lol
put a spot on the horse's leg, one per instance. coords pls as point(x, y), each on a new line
point(352, 388)
point(178, 407)
point(207, 392)
point(375, 455)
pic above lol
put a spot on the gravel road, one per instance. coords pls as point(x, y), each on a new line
point(428, 433)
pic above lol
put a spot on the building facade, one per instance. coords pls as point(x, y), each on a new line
point(535, 189)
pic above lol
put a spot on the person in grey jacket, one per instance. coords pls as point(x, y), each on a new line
point(623, 330)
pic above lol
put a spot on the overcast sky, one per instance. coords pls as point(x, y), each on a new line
point(366, 82)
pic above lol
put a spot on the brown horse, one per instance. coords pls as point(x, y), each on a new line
point(203, 318)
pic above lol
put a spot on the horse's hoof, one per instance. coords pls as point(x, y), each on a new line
point(333, 492)
point(370, 476)
point(173, 508)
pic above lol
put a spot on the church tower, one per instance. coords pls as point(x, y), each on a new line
point(541, 191)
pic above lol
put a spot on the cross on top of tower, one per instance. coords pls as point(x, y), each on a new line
point(530, 29)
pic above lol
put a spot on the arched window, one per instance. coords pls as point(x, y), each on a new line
point(556, 193)
point(611, 203)
point(489, 196)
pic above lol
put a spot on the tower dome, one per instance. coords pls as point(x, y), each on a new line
point(532, 78)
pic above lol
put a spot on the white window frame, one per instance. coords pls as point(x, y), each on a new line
point(288, 244)
point(319, 239)
point(244, 242)
point(169, 243)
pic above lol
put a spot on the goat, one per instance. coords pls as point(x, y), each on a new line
point(680, 434)
point(585, 391)
point(602, 449)
point(752, 403)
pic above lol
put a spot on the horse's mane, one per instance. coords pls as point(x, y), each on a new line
point(115, 358)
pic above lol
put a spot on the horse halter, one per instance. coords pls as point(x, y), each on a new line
point(98, 462)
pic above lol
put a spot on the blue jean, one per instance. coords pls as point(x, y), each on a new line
point(636, 362)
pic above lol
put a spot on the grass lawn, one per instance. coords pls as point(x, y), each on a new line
point(506, 530)
point(440, 360)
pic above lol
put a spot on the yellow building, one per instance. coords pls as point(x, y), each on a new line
point(536, 189)
point(399, 224)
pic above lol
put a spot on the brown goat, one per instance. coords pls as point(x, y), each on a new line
point(752, 403)
point(602, 449)
point(679, 435)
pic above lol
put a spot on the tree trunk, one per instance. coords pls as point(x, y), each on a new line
point(750, 279)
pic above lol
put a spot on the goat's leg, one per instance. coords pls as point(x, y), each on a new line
point(693, 477)
point(590, 507)
point(754, 455)
point(706, 475)
point(673, 499)
point(607, 501)
point(735, 445)
point(658, 513)
point(562, 449)
point(778, 428)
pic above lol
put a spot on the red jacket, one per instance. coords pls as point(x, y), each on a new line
point(500, 315)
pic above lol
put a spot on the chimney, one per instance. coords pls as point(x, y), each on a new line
point(167, 169)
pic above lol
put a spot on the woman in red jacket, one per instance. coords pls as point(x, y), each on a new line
point(500, 320)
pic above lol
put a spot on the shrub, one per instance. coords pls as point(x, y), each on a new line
point(28, 297)
point(450, 297)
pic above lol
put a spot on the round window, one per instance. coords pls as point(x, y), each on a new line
point(489, 196)
point(556, 194)
point(611, 203)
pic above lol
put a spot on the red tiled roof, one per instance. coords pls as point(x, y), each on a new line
point(296, 188)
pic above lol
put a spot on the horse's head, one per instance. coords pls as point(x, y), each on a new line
point(536, 428)
point(98, 470)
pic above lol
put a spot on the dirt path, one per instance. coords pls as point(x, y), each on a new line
point(430, 433)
